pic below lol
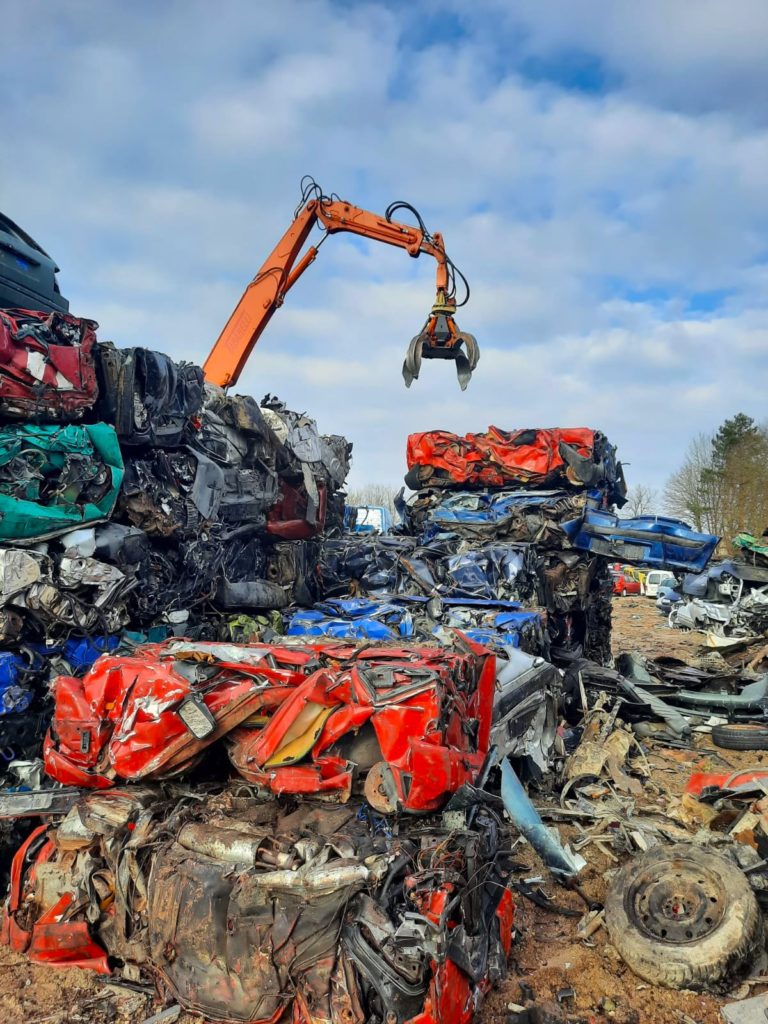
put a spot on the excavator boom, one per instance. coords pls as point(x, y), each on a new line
point(439, 338)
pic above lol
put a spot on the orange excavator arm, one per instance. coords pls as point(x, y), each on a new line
point(438, 339)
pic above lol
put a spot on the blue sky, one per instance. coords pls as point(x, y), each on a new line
point(599, 169)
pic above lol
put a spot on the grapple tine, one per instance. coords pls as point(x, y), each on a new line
point(473, 349)
point(412, 361)
point(463, 371)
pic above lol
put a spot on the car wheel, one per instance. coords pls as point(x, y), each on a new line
point(740, 737)
point(683, 917)
point(624, 592)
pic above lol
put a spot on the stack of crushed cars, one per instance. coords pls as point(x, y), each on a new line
point(138, 502)
point(191, 857)
point(508, 535)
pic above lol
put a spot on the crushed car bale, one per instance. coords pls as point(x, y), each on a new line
point(415, 720)
point(243, 909)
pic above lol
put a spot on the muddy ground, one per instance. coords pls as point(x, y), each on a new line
point(546, 956)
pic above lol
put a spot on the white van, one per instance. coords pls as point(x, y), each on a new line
point(654, 579)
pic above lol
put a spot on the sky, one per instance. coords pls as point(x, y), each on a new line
point(598, 169)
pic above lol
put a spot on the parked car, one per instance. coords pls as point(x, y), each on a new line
point(27, 272)
point(654, 579)
point(624, 585)
point(668, 596)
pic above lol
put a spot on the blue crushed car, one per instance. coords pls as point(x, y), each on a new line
point(492, 623)
point(488, 507)
point(645, 540)
point(354, 618)
point(79, 653)
point(15, 697)
point(669, 595)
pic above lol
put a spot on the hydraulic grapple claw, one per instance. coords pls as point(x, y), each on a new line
point(440, 339)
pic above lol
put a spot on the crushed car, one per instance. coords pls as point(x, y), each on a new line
point(411, 725)
point(567, 457)
point(319, 912)
point(728, 602)
point(56, 478)
point(47, 364)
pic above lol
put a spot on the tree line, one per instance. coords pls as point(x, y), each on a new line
point(722, 485)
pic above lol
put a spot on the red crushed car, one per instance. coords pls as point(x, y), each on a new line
point(556, 457)
point(46, 364)
point(413, 723)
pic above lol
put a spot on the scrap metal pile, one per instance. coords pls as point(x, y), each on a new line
point(728, 602)
point(283, 762)
point(137, 501)
point(508, 536)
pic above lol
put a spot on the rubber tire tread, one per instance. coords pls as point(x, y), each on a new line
point(682, 966)
point(731, 737)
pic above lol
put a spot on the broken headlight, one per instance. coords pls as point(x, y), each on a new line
point(196, 717)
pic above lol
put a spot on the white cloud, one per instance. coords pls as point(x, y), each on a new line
point(157, 153)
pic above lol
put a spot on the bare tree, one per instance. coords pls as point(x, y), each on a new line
point(641, 501)
point(693, 492)
point(744, 476)
point(373, 494)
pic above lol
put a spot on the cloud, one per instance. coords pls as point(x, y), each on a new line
point(597, 169)
point(702, 57)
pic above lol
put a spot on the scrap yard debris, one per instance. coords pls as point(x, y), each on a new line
point(264, 766)
point(318, 911)
point(728, 602)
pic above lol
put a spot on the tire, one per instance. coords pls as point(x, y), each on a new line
point(683, 917)
point(624, 592)
point(740, 737)
point(413, 479)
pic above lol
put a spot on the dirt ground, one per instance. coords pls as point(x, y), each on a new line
point(638, 626)
point(546, 956)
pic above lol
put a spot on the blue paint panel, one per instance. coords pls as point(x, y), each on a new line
point(14, 697)
point(656, 541)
